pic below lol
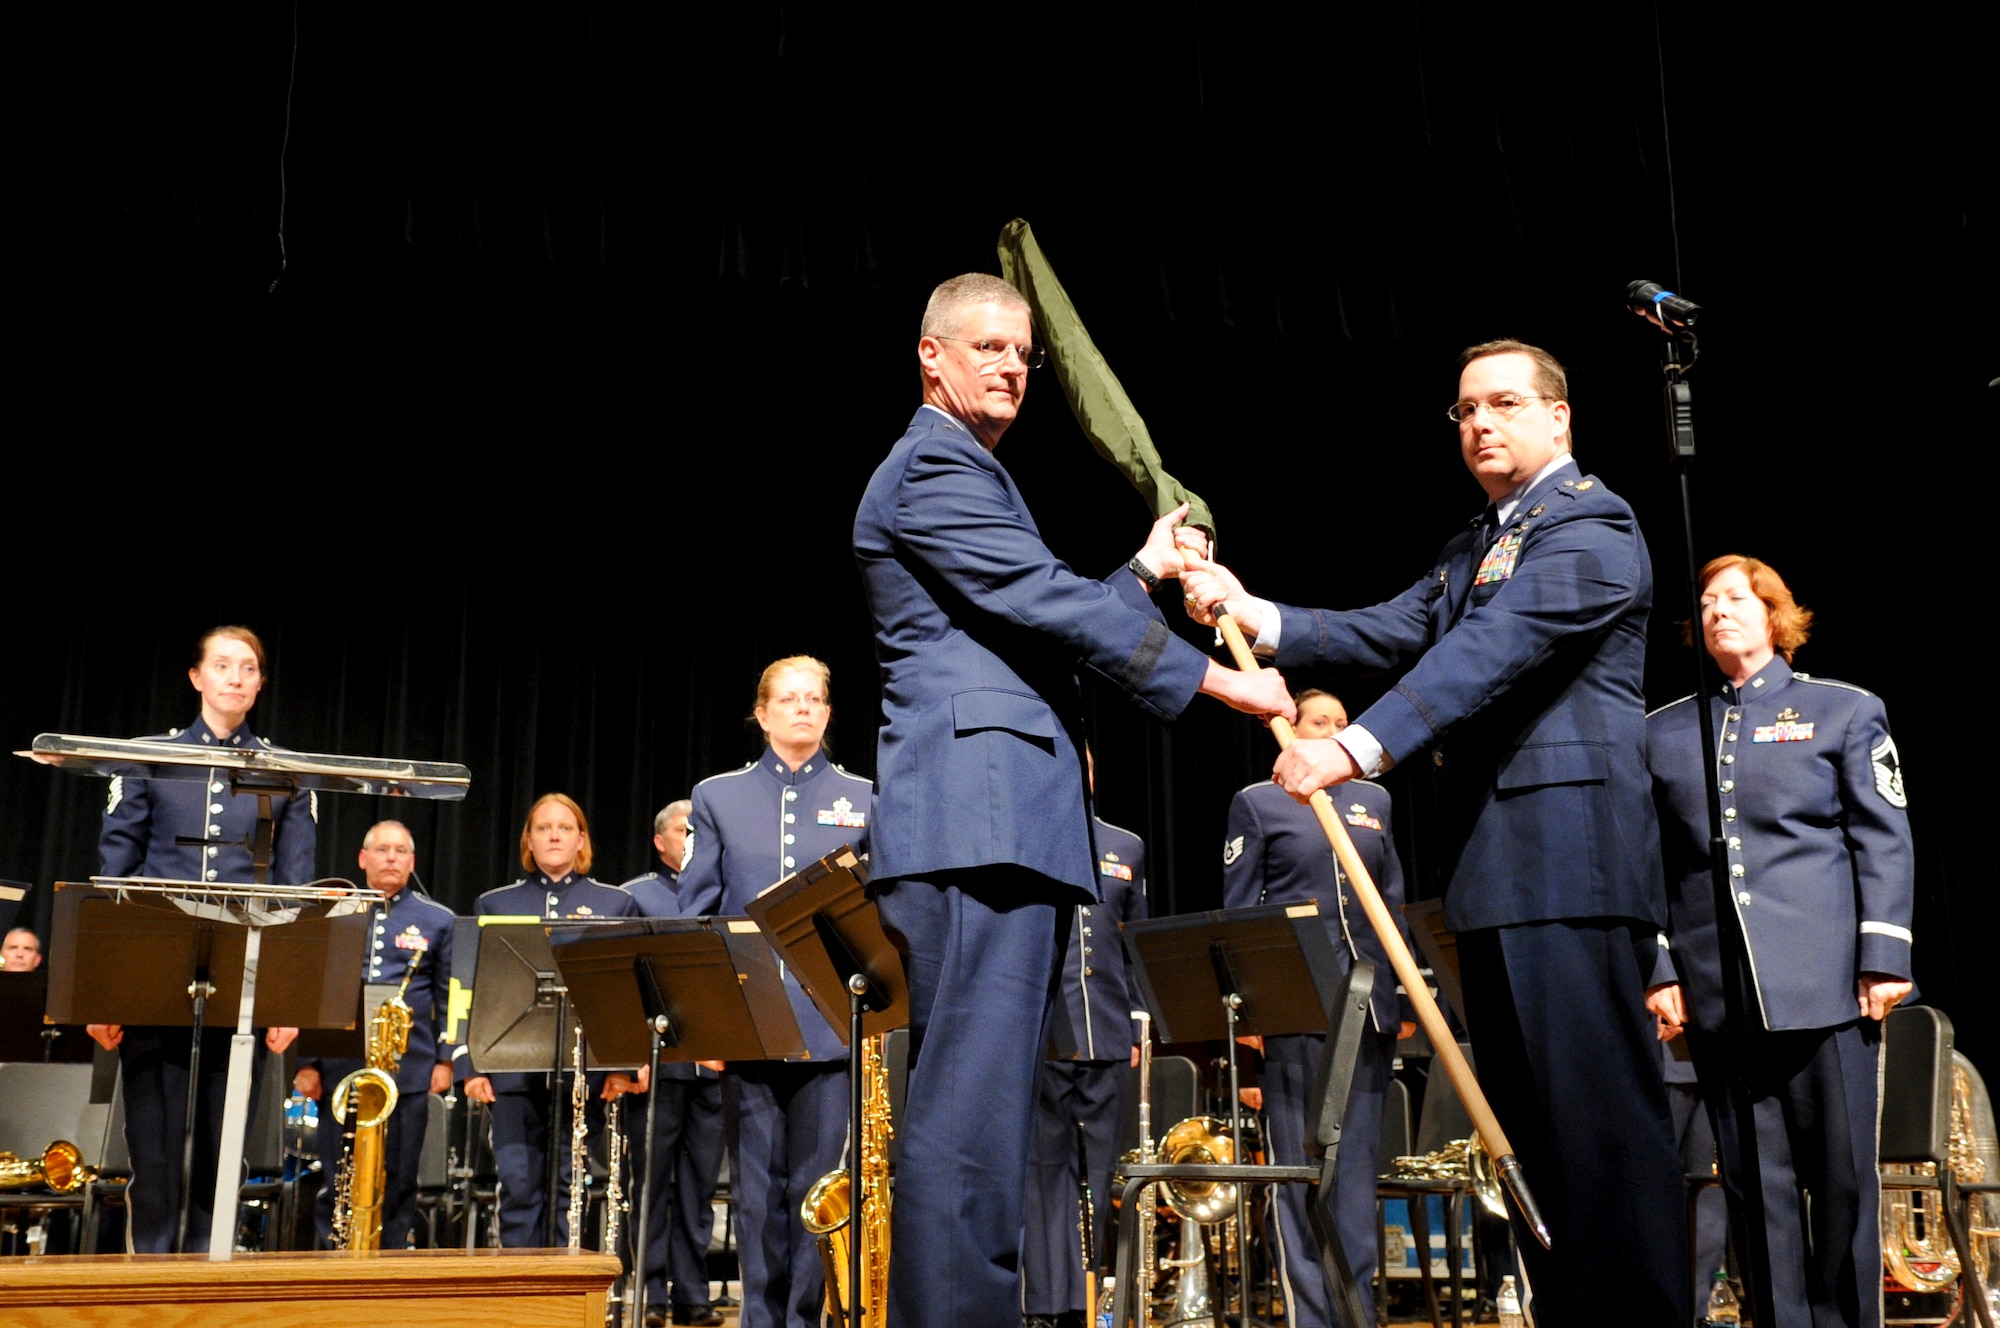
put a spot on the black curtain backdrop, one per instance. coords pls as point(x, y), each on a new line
point(594, 319)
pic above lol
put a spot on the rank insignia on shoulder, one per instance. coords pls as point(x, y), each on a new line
point(1498, 564)
point(1584, 486)
point(1358, 815)
point(1232, 850)
point(1787, 731)
point(1115, 869)
point(842, 814)
point(1889, 773)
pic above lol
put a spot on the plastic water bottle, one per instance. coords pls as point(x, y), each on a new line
point(1722, 1304)
point(1509, 1303)
point(1106, 1299)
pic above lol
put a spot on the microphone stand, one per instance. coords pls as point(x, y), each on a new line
point(1677, 360)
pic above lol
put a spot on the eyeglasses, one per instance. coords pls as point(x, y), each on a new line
point(995, 351)
point(1504, 406)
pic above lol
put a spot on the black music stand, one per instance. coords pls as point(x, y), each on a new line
point(824, 924)
point(519, 1011)
point(25, 1035)
point(678, 990)
point(148, 961)
point(1269, 971)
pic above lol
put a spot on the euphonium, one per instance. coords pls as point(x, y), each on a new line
point(1916, 1249)
point(60, 1168)
point(371, 1094)
point(828, 1210)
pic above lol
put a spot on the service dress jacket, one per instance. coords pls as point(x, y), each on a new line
point(751, 828)
point(1817, 833)
point(1523, 693)
point(1275, 852)
point(979, 632)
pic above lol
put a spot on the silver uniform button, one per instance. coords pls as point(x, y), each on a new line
point(791, 795)
point(1736, 870)
point(1729, 758)
point(215, 788)
point(791, 839)
point(215, 829)
point(1085, 909)
point(1734, 842)
point(1086, 931)
point(378, 945)
point(1087, 972)
point(215, 809)
point(789, 864)
point(212, 873)
point(1728, 813)
point(1728, 786)
point(789, 818)
point(1744, 899)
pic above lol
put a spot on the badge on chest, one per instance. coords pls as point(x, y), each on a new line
point(842, 814)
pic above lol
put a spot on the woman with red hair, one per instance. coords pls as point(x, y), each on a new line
point(556, 853)
point(1820, 885)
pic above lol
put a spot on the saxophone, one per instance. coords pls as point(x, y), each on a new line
point(371, 1093)
point(829, 1208)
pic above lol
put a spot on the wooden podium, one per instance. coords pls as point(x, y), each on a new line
point(521, 1288)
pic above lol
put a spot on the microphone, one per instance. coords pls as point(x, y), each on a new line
point(1660, 306)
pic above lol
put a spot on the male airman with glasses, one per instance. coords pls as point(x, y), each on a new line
point(1521, 653)
point(982, 843)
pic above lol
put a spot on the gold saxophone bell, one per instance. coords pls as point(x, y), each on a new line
point(829, 1207)
point(60, 1168)
point(1200, 1139)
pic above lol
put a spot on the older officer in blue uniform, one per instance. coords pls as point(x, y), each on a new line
point(1523, 650)
point(1818, 842)
point(407, 928)
point(1083, 1083)
point(982, 835)
point(1275, 852)
point(143, 822)
point(750, 829)
point(555, 848)
point(685, 1154)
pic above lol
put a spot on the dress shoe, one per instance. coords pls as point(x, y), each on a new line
point(700, 1316)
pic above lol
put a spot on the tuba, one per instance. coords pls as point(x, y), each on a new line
point(60, 1168)
point(368, 1096)
point(829, 1208)
point(1916, 1248)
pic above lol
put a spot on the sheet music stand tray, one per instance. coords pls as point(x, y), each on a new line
point(1265, 971)
point(823, 922)
point(676, 990)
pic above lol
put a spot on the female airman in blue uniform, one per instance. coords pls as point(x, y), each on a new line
point(1817, 837)
point(193, 830)
point(555, 850)
point(750, 829)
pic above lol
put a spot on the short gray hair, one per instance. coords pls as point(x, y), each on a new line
point(368, 840)
point(678, 807)
point(945, 313)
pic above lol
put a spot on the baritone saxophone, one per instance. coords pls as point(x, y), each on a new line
point(369, 1097)
point(829, 1210)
